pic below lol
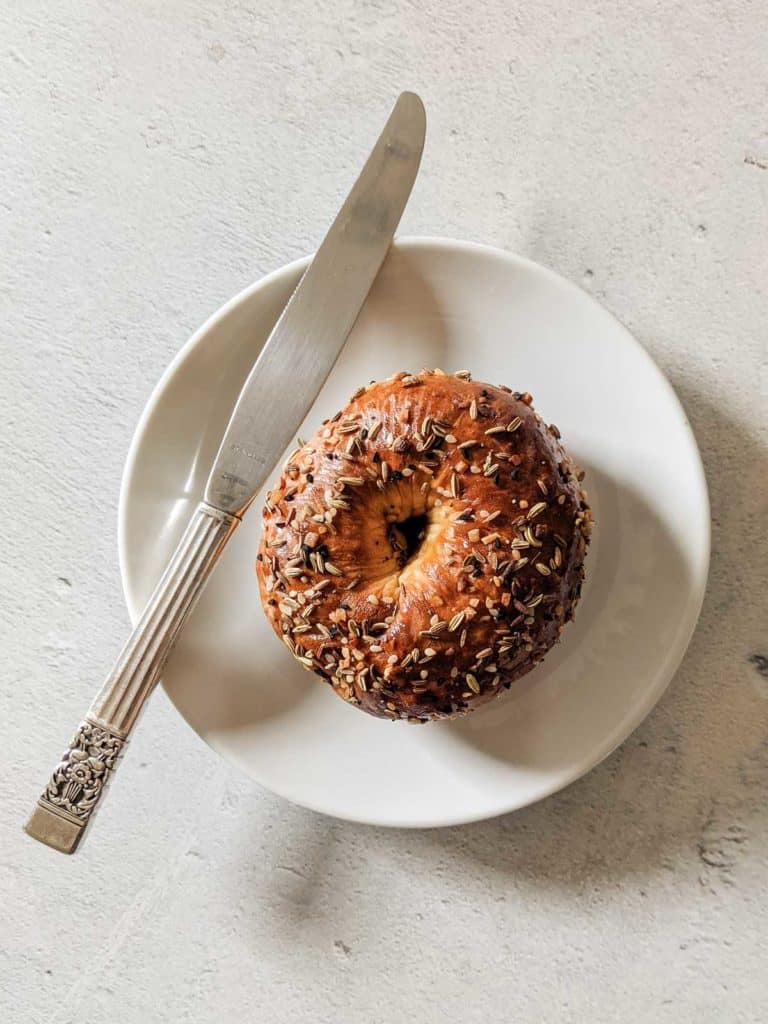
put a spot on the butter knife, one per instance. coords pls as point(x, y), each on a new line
point(279, 392)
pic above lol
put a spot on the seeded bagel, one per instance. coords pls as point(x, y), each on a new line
point(425, 548)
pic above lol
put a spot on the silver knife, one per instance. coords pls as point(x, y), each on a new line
point(279, 392)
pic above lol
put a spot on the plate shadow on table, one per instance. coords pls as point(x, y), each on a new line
point(669, 799)
point(693, 774)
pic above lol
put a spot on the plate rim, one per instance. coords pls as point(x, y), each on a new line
point(699, 583)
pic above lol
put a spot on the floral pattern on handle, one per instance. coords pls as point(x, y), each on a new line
point(82, 773)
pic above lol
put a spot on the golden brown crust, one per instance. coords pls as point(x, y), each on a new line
point(498, 570)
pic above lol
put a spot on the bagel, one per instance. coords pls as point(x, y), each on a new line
point(425, 548)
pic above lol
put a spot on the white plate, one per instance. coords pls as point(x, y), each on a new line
point(453, 305)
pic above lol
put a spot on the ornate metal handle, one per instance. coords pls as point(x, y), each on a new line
point(77, 785)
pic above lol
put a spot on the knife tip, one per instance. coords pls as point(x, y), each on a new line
point(407, 96)
point(412, 105)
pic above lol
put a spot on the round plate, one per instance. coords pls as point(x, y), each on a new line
point(453, 305)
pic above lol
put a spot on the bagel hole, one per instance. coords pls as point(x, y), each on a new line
point(406, 536)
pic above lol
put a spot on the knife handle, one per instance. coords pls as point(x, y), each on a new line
point(77, 785)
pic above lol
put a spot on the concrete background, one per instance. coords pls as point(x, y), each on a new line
point(157, 157)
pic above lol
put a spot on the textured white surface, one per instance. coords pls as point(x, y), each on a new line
point(156, 158)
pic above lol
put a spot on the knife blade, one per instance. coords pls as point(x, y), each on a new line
point(311, 331)
point(278, 393)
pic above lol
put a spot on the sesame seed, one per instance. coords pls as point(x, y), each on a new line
point(472, 683)
point(473, 409)
point(455, 622)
